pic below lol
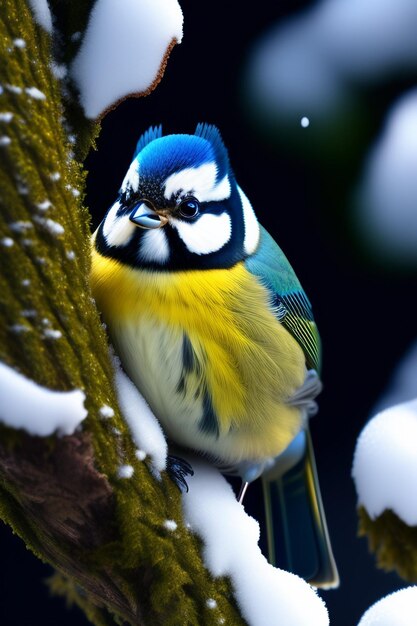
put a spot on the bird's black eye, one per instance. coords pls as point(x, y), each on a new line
point(189, 208)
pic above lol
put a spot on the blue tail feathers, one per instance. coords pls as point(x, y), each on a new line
point(298, 539)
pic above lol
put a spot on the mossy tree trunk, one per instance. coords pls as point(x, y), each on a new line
point(104, 535)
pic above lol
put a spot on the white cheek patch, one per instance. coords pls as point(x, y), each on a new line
point(154, 246)
point(131, 180)
point(208, 234)
point(117, 230)
point(221, 191)
point(252, 231)
point(199, 182)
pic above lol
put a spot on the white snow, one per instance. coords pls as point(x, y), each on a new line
point(140, 455)
point(125, 471)
point(122, 50)
point(35, 93)
point(106, 411)
point(7, 242)
point(211, 603)
point(305, 122)
point(311, 61)
point(385, 463)
point(44, 205)
point(387, 197)
point(170, 525)
point(368, 39)
point(72, 190)
point(14, 89)
point(53, 228)
point(25, 282)
point(20, 328)
point(397, 609)
point(50, 333)
point(6, 117)
point(266, 595)
point(146, 431)
point(55, 176)
point(21, 226)
point(42, 14)
point(38, 410)
point(59, 70)
point(5, 140)
point(19, 43)
point(70, 254)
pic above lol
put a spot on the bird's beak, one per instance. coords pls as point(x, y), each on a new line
point(145, 217)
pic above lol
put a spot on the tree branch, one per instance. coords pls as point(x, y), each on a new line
point(392, 542)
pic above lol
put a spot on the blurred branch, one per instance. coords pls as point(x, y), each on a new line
point(392, 541)
point(63, 495)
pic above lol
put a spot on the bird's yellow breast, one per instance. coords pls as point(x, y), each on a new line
point(244, 360)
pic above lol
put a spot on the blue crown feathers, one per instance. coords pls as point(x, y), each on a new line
point(212, 134)
point(153, 132)
point(177, 151)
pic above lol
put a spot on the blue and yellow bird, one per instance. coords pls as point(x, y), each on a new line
point(214, 328)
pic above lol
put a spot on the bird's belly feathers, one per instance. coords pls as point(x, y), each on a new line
point(152, 355)
point(207, 353)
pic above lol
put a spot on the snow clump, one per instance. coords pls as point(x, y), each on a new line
point(385, 463)
point(265, 594)
point(123, 49)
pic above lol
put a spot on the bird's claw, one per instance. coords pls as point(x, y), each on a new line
point(178, 469)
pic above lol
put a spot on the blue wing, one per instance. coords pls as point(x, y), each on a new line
point(292, 307)
point(293, 506)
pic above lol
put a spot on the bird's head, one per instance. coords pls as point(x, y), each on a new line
point(179, 206)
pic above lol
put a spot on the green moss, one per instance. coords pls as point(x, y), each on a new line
point(392, 541)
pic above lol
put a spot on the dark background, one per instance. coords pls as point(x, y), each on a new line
point(302, 201)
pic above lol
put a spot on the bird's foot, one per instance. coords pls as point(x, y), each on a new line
point(178, 469)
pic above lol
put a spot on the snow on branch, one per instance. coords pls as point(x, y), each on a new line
point(385, 463)
point(39, 411)
point(385, 474)
point(396, 609)
point(145, 429)
point(386, 197)
point(42, 14)
point(265, 594)
point(124, 50)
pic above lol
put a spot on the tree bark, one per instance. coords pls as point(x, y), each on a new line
point(63, 496)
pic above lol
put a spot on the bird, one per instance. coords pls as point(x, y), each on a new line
point(212, 325)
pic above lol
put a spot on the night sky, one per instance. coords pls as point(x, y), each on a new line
point(294, 197)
